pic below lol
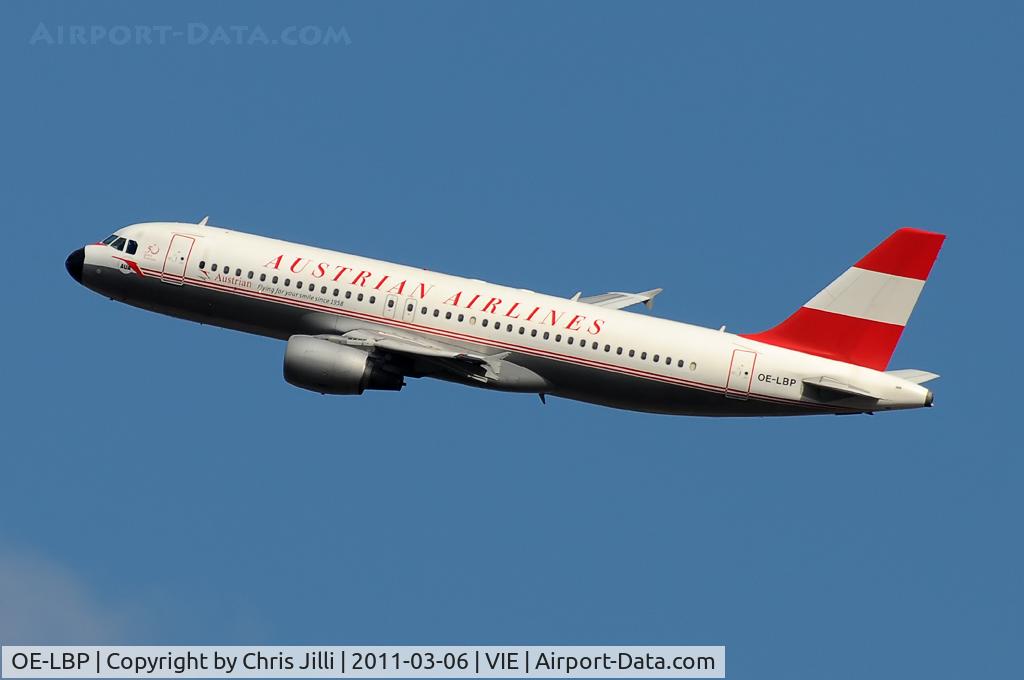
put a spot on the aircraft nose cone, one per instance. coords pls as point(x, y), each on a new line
point(75, 264)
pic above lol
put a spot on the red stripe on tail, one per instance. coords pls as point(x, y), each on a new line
point(835, 336)
point(908, 252)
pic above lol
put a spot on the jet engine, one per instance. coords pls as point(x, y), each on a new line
point(326, 367)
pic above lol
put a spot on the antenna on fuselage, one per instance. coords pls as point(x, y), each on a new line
point(202, 222)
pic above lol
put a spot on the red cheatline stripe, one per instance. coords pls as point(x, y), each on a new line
point(907, 252)
point(612, 368)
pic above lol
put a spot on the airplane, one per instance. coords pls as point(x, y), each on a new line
point(354, 324)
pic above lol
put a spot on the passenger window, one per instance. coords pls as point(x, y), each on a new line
point(643, 356)
point(287, 282)
point(202, 264)
point(655, 358)
point(681, 363)
point(391, 303)
point(546, 335)
point(348, 295)
point(323, 290)
point(372, 299)
point(312, 287)
point(593, 346)
point(250, 274)
point(132, 247)
point(632, 353)
point(118, 244)
point(558, 338)
point(521, 330)
point(238, 272)
point(618, 351)
point(274, 280)
point(448, 315)
point(298, 284)
point(423, 311)
point(693, 365)
point(263, 277)
point(409, 308)
point(359, 298)
point(533, 333)
point(461, 317)
point(437, 313)
point(668, 361)
point(484, 323)
point(335, 292)
point(607, 348)
point(472, 321)
point(213, 267)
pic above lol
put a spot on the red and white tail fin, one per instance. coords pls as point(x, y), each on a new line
point(859, 317)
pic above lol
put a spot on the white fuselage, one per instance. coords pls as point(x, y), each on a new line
point(581, 351)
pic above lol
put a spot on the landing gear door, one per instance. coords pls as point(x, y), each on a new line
point(176, 259)
point(741, 374)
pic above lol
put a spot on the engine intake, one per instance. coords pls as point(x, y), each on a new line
point(326, 367)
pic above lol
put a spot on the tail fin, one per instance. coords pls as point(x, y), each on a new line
point(859, 317)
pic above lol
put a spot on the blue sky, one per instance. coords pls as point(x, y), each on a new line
point(163, 484)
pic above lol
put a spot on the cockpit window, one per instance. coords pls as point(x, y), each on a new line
point(119, 243)
point(110, 239)
point(132, 247)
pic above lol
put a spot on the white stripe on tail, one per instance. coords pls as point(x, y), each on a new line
point(859, 317)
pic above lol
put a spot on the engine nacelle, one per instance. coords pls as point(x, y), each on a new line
point(326, 367)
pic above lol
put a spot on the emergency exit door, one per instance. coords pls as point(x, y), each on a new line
point(741, 374)
point(409, 310)
point(390, 306)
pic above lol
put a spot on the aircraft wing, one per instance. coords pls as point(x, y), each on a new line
point(477, 367)
point(619, 300)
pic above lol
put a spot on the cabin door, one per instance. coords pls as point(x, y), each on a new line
point(176, 259)
point(741, 374)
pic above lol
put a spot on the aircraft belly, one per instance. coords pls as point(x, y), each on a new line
point(619, 390)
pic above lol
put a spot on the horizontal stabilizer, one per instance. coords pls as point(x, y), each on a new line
point(618, 300)
point(838, 387)
point(914, 375)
